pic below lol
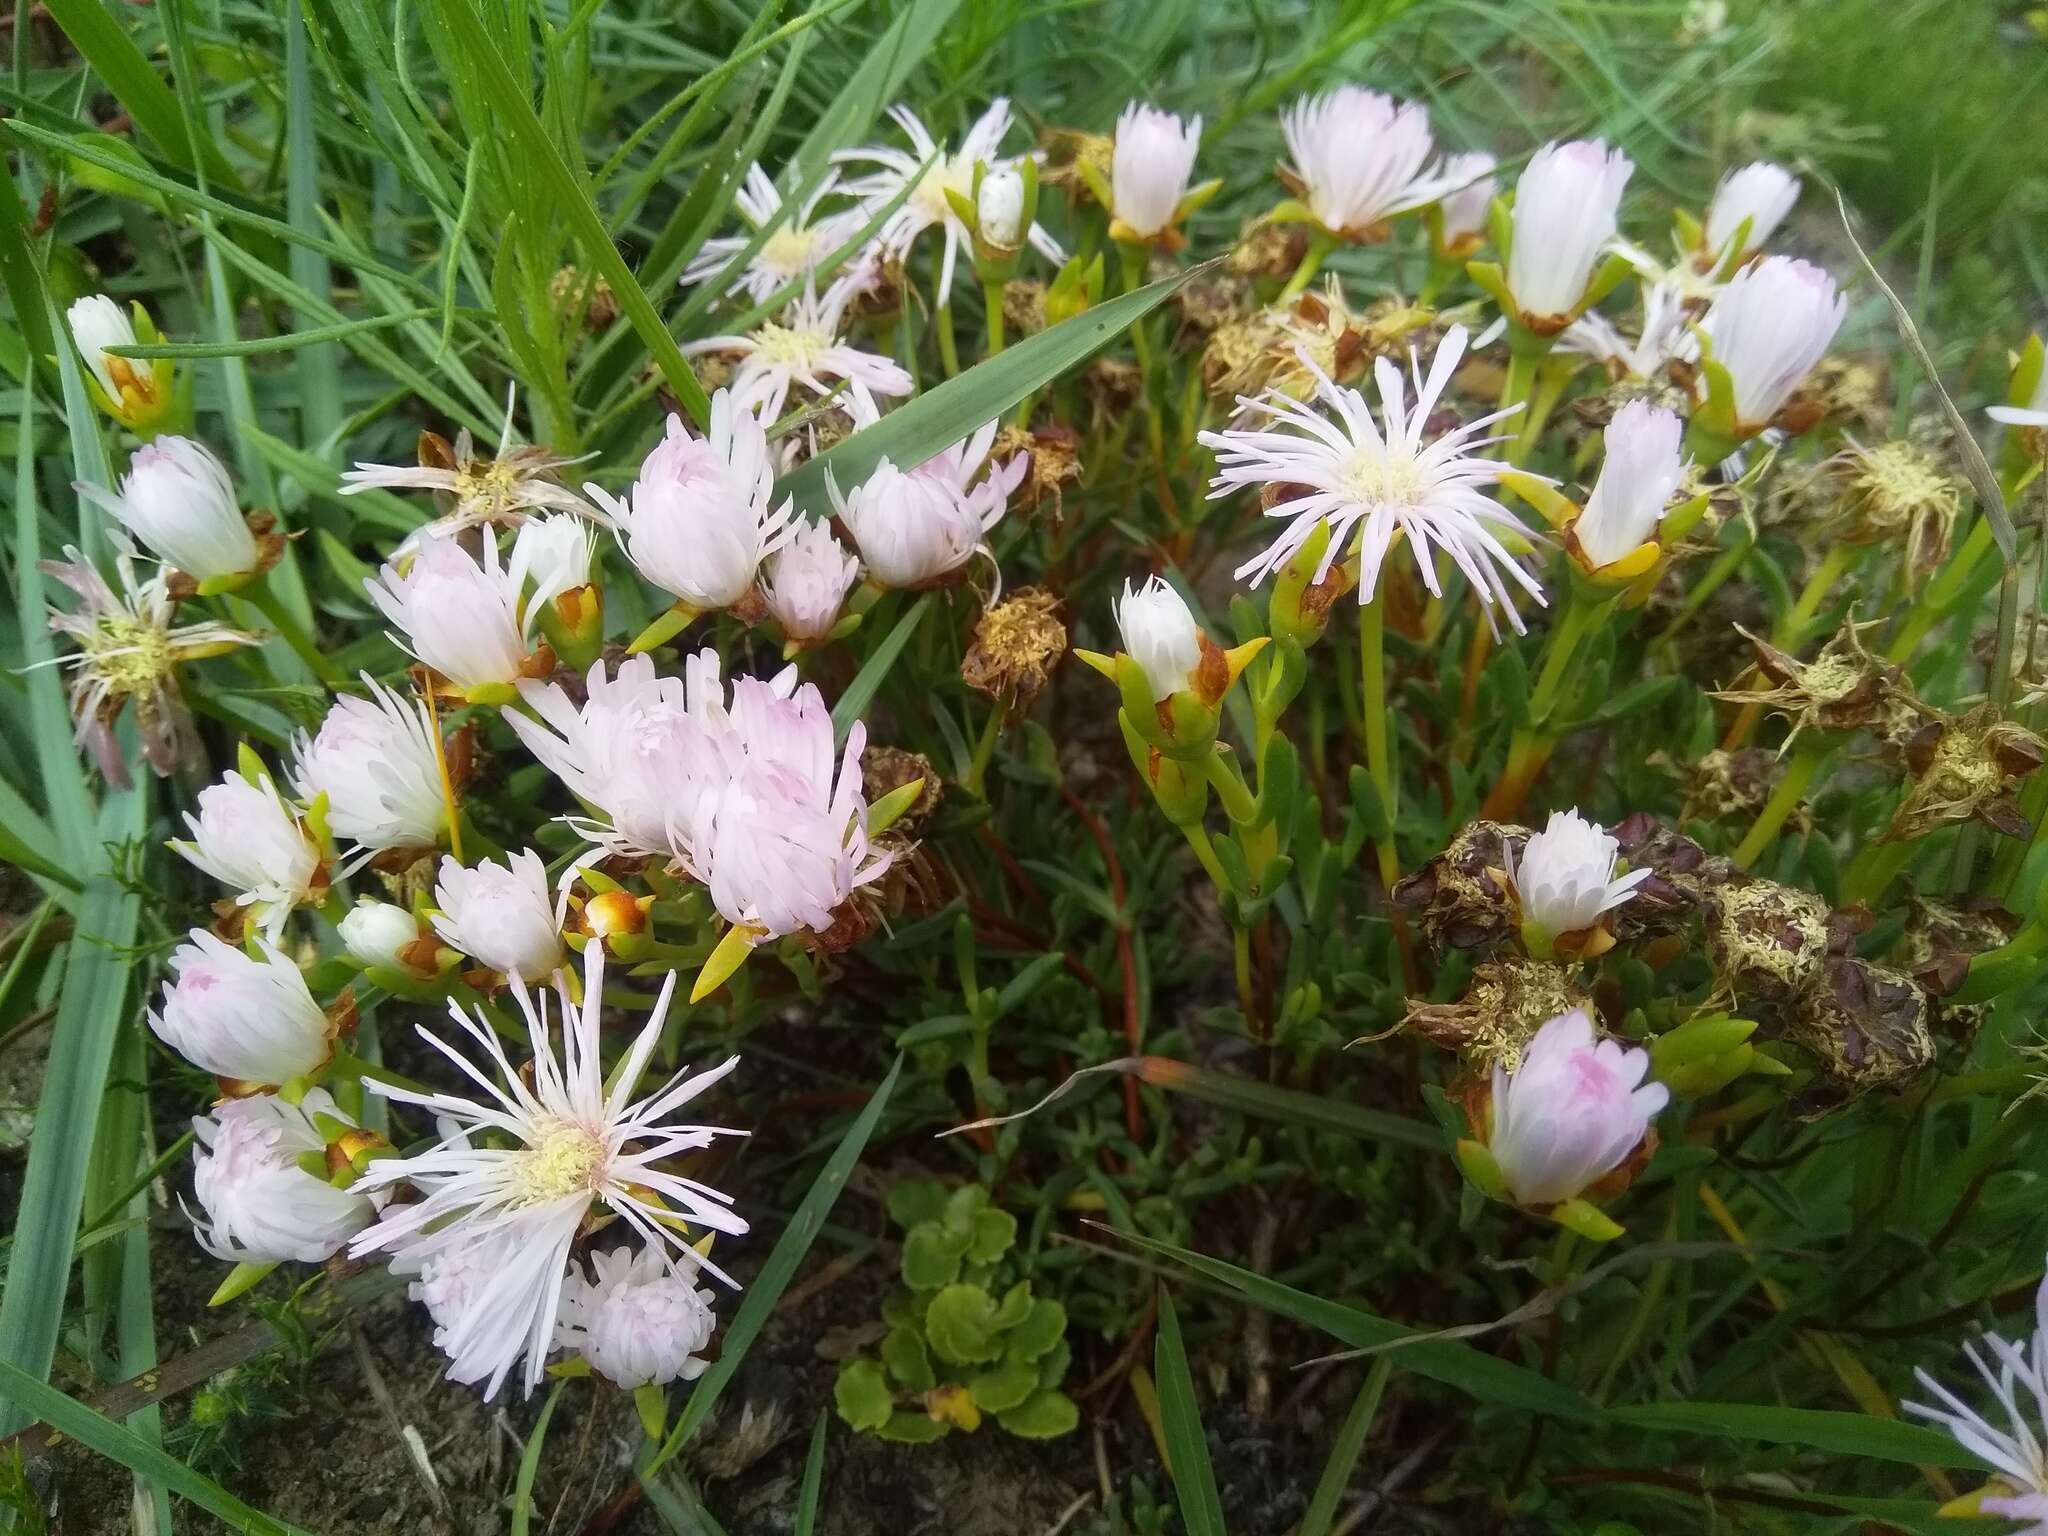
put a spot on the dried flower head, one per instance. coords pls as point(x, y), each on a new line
point(1768, 942)
point(1052, 460)
point(575, 292)
point(884, 770)
point(1460, 899)
point(1898, 492)
point(1016, 644)
point(471, 490)
point(1683, 876)
point(1865, 1027)
point(1725, 783)
point(1844, 688)
point(1966, 769)
point(1506, 1002)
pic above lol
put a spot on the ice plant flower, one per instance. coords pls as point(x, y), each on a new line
point(791, 253)
point(1566, 206)
point(1764, 334)
point(1748, 206)
point(699, 520)
point(930, 171)
point(804, 348)
point(916, 527)
point(1641, 471)
point(1573, 1111)
point(130, 652)
point(1153, 159)
point(246, 1018)
point(377, 933)
point(1357, 158)
point(2017, 1448)
point(1377, 479)
point(1663, 337)
point(377, 760)
point(500, 915)
point(636, 1320)
point(457, 615)
point(135, 392)
point(1459, 223)
point(999, 209)
point(562, 1146)
point(259, 1205)
point(552, 555)
point(1564, 884)
point(1160, 634)
point(248, 839)
point(474, 491)
point(808, 579)
point(177, 499)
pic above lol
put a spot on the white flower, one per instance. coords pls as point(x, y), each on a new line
point(804, 347)
point(2033, 414)
point(2018, 1449)
point(472, 489)
point(1768, 328)
point(554, 554)
point(999, 208)
point(260, 1206)
point(808, 579)
point(1465, 206)
point(793, 251)
point(697, 522)
point(177, 499)
point(1571, 1113)
point(500, 915)
point(1379, 482)
point(1564, 879)
point(916, 527)
point(1566, 206)
point(1150, 167)
point(377, 933)
point(1762, 193)
point(1360, 158)
point(98, 323)
point(239, 1017)
point(377, 762)
point(1160, 635)
point(636, 1321)
point(248, 839)
point(1641, 470)
point(574, 1145)
point(455, 615)
point(1664, 335)
point(927, 206)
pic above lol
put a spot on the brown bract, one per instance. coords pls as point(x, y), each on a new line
point(1052, 456)
point(1461, 899)
point(1016, 644)
point(1683, 875)
point(1865, 1027)
point(1965, 769)
point(1729, 784)
point(1844, 688)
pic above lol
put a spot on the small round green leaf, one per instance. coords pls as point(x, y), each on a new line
point(914, 1200)
point(862, 1395)
point(960, 1325)
point(1041, 1329)
point(904, 1354)
point(994, 1232)
point(1004, 1387)
point(1041, 1416)
point(931, 1256)
point(914, 1428)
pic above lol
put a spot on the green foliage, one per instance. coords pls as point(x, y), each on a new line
point(966, 1338)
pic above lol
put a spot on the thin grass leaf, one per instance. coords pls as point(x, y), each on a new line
point(1819, 1429)
point(1343, 1462)
point(854, 702)
point(112, 53)
point(814, 1476)
point(899, 50)
point(291, 341)
point(529, 1462)
point(1187, 1448)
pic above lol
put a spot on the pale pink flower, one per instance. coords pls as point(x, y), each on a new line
point(1770, 326)
point(799, 244)
point(247, 838)
point(2017, 1449)
point(1566, 206)
point(1570, 1113)
point(916, 527)
point(177, 499)
point(1565, 878)
point(500, 915)
point(1641, 471)
point(636, 1320)
point(377, 761)
point(1760, 192)
point(1361, 157)
point(240, 1016)
point(260, 1206)
point(456, 615)
point(804, 348)
point(1160, 634)
point(808, 579)
point(1150, 166)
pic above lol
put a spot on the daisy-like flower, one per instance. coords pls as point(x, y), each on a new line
point(377, 762)
point(1379, 478)
point(2016, 1448)
point(927, 206)
point(1571, 1113)
point(1564, 881)
point(1761, 193)
point(243, 1017)
point(455, 615)
point(1566, 206)
point(699, 520)
point(804, 348)
point(635, 1320)
point(808, 579)
point(1663, 338)
point(1642, 469)
point(129, 652)
point(561, 1145)
point(177, 499)
point(260, 1206)
point(1150, 168)
point(471, 490)
point(792, 252)
point(1359, 157)
point(500, 915)
point(1160, 634)
point(248, 839)
point(1768, 329)
point(915, 528)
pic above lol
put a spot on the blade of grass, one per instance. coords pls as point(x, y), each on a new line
point(255, 346)
point(1187, 1448)
point(1337, 1471)
point(112, 53)
point(529, 1462)
point(1844, 1434)
point(855, 700)
point(775, 1275)
point(814, 1475)
point(899, 50)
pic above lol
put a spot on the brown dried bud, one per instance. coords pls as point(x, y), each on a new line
point(1461, 899)
point(1683, 875)
point(1941, 938)
point(1024, 305)
point(1213, 300)
point(1729, 784)
point(1114, 385)
point(1865, 1027)
point(1265, 249)
point(1508, 1000)
point(1844, 688)
point(1053, 462)
point(1963, 769)
point(1850, 390)
point(1016, 644)
point(1768, 942)
point(884, 770)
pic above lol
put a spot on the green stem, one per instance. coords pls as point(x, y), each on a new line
point(1238, 801)
point(1581, 615)
point(1379, 750)
point(1873, 869)
point(1790, 791)
point(949, 354)
point(265, 602)
point(1515, 389)
point(1241, 959)
point(992, 300)
point(1942, 591)
point(984, 749)
point(1205, 854)
point(1320, 244)
point(1551, 376)
point(1792, 630)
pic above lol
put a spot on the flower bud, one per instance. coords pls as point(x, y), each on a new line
point(177, 499)
point(459, 617)
point(500, 915)
point(1149, 169)
point(1160, 634)
point(808, 579)
point(1766, 331)
point(1570, 1114)
point(1303, 590)
point(246, 837)
point(376, 933)
point(239, 1017)
point(1750, 203)
point(1642, 469)
point(135, 392)
point(1564, 884)
point(616, 919)
point(1703, 1054)
point(260, 1204)
point(999, 208)
point(634, 1321)
point(1461, 217)
point(1566, 206)
point(375, 760)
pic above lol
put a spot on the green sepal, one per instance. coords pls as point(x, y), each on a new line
point(650, 1401)
point(233, 581)
point(887, 811)
point(241, 1278)
point(1480, 1166)
point(1588, 1220)
point(1492, 280)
